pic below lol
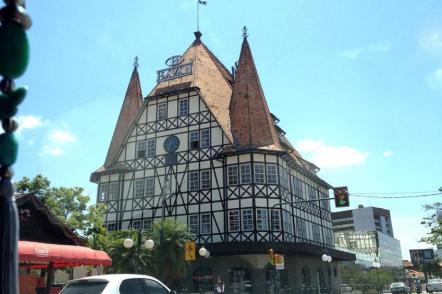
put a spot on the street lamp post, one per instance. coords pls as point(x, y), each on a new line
point(328, 259)
point(376, 264)
point(128, 243)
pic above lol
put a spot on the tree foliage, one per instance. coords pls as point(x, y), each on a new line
point(70, 206)
point(433, 221)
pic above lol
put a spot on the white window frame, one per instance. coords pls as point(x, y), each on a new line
point(275, 218)
point(194, 181)
point(260, 176)
point(206, 223)
point(194, 140)
point(316, 232)
point(138, 188)
point(232, 175)
point(262, 219)
point(272, 174)
point(245, 172)
point(247, 219)
point(194, 224)
point(104, 192)
point(140, 149)
point(113, 190)
point(234, 221)
point(204, 138)
point(301, 228)
point(150, 147)
point(183, 106)
point(162, 111)
point(147, 224)
point(205, 178)
point(149, 186)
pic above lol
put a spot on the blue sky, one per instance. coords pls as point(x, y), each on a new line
point(357, 85)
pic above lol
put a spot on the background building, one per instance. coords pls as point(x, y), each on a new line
point(203, 148)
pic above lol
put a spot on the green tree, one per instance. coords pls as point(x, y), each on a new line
point(69, 205)
point(433, 221)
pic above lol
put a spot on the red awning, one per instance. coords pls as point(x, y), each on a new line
point(39, 255)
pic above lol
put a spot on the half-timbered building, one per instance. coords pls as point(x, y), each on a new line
point(204, 145)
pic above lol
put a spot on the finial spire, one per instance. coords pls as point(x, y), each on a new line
point(244, 32)
point(136, 62)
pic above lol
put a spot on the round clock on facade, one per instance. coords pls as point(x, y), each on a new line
point(171, 144)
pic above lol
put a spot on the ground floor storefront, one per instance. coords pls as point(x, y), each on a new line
point(254, 273)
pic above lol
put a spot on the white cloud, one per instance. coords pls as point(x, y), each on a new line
point(354, 53)
point(432, 42)
point(434, 80)
point(60, 136)
point(328, 156)
point(387, 153)
point(30, 122)
point(51, 150)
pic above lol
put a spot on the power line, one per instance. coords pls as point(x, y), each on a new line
point(396, 197)
point(393, 193)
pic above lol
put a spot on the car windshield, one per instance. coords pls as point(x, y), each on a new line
point(85, 287)
point(435, 281)
point(394, 285)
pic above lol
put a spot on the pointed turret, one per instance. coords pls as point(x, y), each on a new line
point(131, 105)
point(251, 122)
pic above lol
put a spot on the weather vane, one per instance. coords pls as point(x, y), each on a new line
point(244, 32)
point(136, 62)
point(198, 3)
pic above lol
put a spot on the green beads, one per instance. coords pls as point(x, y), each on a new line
point(14, 50)
point(8, 149)
point(10, 101)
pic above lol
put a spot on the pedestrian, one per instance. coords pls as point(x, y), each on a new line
point(219, 287)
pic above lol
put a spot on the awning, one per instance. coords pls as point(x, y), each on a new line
point(40, 255)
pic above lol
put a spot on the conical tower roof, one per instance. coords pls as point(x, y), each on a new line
point(131, 105)
point(211, 78)
point(251, 122)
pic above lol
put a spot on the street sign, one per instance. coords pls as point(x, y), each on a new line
point(190, 251)
point(341, 197)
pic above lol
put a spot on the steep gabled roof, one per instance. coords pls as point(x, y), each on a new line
point(210, 76)
point(252, 123)
point(131, 105)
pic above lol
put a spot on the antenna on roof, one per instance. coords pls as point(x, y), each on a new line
point(136, 62)
point(198, 3)
point(244, 32)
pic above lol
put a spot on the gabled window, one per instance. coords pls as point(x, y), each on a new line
point(150, 147)
point(276, 220)
point(113, 191)
point(205, 179)
point(262, 222)
point(245, 173)
point(149, 188)
point(259, 173)
point(141, 149)
point(232, 175)
point(183, 106)
point(104, 192)
point(247, 220)
point(234, 223)
point(162, 111)
point(139, 188)
point(272, 174)
point(205, 138)
point(194, 181)
point(194, 224)
point(194, 140)
point(206, 224)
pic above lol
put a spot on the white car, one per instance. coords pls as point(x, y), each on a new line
point(116, 284)
point(434, 285)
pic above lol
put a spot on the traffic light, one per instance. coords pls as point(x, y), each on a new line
point(341, 197)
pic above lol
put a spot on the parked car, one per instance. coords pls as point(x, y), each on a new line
point(434, 285)
point(345, 288)
point(118, 283)
point(399, 287)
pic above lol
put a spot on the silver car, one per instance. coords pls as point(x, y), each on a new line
point(116, 284)
point(434, 285)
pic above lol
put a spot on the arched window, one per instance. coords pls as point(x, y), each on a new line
point(306, 281)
